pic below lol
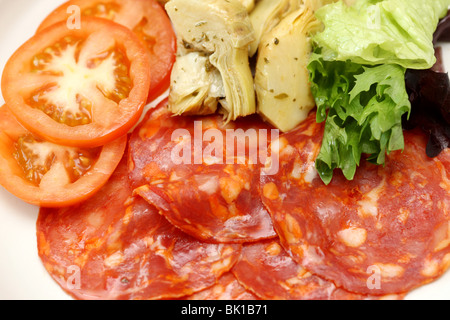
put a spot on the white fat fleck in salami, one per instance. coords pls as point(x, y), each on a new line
point(353, 237)
point(208, 184)
point(389, 224)
point(390, 271)
point(114, 260)
point(311, 174)
point(369, 203)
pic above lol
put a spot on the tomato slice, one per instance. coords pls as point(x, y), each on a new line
point(146, 18)
point(49, 175)
point(82, 87)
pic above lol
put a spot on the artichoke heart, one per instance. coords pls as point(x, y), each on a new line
point(281, 80)
point(248, 4)
point(266, 15)
point(212, 70)
point(196, 89)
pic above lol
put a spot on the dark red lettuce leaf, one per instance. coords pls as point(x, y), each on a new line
point(429, 93)
point(439, 65)
point(442, 32)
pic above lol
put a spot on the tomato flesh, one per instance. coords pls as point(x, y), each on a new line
point(147, 19)
point(82, 88)
point(34, 167)
point(106, 10)
point(53, 61)
point(50, 175)
point(36, 158)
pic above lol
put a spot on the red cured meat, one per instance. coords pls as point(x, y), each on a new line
point(115, 246)
point(227, 288)
point(387, 231)
point(212, 201)
point(267, 270)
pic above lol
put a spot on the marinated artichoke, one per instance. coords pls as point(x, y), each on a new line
point(248, 4)
point(212, 66)
point(281, 80)
point(266, 15)
point(196, 87)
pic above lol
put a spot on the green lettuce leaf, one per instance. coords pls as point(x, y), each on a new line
point(363, 108)
point(357, 75)
point(375, 32)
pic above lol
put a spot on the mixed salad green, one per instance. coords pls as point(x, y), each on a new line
point(357, 75)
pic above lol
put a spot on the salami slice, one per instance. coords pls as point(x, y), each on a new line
point(115, 246)
point(227, 288)
point(387, 231)
point(185, 167)
point(267, 270)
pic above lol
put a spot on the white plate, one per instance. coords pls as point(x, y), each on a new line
point(22, 276)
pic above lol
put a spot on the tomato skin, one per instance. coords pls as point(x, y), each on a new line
point(95, 133)
point(163, 46)
point(13, 179)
